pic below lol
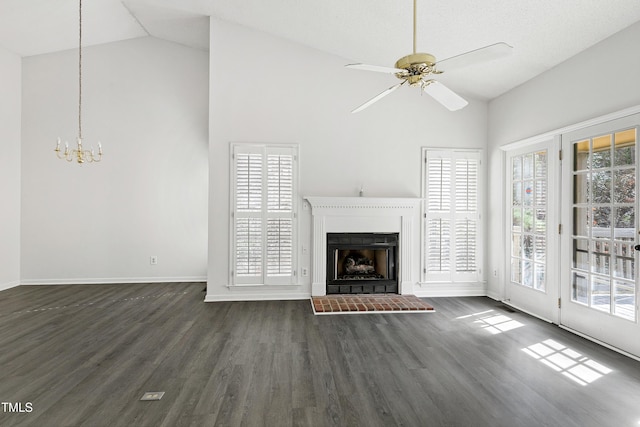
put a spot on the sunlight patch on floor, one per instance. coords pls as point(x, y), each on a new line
point(567, 361)
point(493, 322)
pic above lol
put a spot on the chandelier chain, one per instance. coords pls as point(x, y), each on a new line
point(80, 72)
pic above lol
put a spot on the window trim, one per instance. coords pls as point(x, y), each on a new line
point(265, 149)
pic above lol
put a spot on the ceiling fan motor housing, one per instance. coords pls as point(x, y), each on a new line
point(417, 66)
point(416, 59)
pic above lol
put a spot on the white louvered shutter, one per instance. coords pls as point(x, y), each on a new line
point(249, 247)
point(466, 213)
point(280, 214)
point(438, 218)
point(263, 231)
point(249, 182)
point(452, 217)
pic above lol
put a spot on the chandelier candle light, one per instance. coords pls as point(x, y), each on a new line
point(79, 154)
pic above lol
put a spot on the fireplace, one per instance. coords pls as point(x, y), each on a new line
point(362, 263)
point(365, 215)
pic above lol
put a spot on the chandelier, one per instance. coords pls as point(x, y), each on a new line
point(79, 154)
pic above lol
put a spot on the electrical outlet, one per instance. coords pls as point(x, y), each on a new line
point(495, 273)
point(153, 260)
point(305, 272)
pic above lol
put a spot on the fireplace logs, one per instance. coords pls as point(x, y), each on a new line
point(356, 263)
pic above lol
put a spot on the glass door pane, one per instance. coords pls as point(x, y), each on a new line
point(604, 202)
point(529, 219)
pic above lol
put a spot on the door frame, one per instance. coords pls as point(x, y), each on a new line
point(530, 141)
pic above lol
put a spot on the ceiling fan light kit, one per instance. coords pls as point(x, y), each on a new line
point(418, 70)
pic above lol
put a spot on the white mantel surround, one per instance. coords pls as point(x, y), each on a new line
point(366, 215)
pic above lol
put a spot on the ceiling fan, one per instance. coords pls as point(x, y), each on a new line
point(418, 70)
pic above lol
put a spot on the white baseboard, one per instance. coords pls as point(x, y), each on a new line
point(258, 296)
point(530, 313)
point(602, 343)
point(494, 296)
point(112, 280)
point(426, 290)
point(9, 285)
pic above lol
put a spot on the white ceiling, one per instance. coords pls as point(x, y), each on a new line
point(542, 32)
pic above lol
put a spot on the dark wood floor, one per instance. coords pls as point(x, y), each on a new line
point(84, 355)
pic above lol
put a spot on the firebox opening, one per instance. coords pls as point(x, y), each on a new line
point(353, 264)
point(361, 263)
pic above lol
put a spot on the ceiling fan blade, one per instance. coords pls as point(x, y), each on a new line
point(376, 68)
point(378, 97)
point(483, 54)
point(444, 95)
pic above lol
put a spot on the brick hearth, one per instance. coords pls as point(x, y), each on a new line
point(369, 303)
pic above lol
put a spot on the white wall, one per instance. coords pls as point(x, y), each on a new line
point(598, 81)
point(266, 89)
point(146, 100)
point(10, 70)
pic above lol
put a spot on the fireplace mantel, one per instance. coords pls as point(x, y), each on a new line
point(353, 205)
point(365, 215)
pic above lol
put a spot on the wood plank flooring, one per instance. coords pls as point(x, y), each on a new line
point(84, 356)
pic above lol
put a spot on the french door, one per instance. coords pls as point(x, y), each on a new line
point(600, 212)
point(532, 239)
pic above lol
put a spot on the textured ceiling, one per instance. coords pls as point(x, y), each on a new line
point(542, 32)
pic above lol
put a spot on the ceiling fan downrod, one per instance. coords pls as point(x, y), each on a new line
point(415, 2)
point(416, 65)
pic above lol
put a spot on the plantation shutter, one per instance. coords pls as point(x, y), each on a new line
point(247, 215)
point(280, 214)
point(467, 215)
point(263, 214)
point(438, 222)
point(452, 217)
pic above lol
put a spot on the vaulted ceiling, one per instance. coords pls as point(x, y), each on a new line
point(542, 32)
